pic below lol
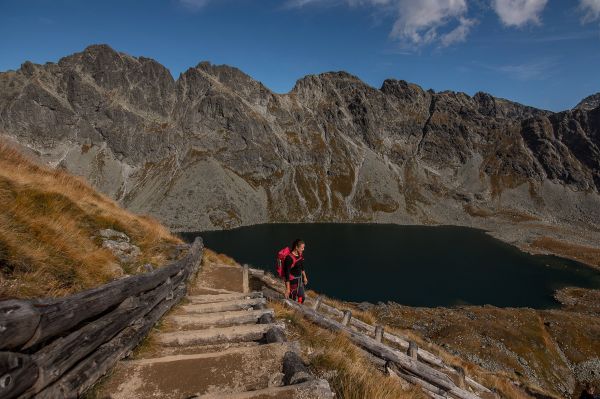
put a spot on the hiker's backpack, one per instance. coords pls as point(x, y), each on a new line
point(281, 255)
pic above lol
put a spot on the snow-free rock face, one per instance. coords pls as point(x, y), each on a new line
point(589, 103)
point(216, 149)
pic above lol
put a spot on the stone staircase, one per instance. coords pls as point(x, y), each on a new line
point(219, 343)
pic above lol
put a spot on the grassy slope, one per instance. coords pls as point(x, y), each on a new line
point(48, 223)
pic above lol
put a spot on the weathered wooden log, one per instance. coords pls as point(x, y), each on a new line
point(316, 388)
point(274, 284)
point(81, 377)
point(60, 315)
point(212, 298)
point(272, 294)
point(243, 333)
point(413, 366)
point(55, 359)
point(254, 271)
point(245, 280)
point(294, 369)
point(275, 334)
point(377, 361)
point(429, 388)
point(224, 306)
point(18, 372)
point(477, 386)
point(379, 333)
point(88, 370)
point(205, 320)
point(182, 276)
point(18, 322)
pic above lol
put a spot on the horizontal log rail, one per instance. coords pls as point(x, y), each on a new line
point(359, 325)
point(59, 347)
point(412, 366)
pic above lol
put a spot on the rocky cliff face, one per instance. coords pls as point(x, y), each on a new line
point(216, 149)
point(589, 103)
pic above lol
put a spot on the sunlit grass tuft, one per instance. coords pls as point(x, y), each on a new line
point(350, 374)
point(48, 226)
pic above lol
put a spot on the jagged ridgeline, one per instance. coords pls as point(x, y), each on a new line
point(216, 149)
point(50, 232)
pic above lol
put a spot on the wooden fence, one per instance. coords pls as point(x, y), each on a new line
point(413, 364)
point(58, 348)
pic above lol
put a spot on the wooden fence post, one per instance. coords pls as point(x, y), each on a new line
point(317, 303)
point(413, 349)
point(347, 316)
point(378, 333)
point(245, 280)
point(460, 373)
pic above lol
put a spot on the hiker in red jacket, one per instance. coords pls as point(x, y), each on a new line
point(293, 272)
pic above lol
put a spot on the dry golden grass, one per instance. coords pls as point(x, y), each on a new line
point(350, 373)
point(48, 223)
point(211, 256)
point(581, 253)
point(522, 332)
point(498, 381)
point(508, 214)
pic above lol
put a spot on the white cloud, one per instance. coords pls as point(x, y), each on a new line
point(536, 70)
point(194, 4)
point(519, 12)
point(591, 8)
point(416, 23)
point(301, 3)
point(458, 34)
point(352, 3)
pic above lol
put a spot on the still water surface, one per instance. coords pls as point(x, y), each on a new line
point(411, 265)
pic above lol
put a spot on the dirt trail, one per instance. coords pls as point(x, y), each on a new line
point(217, 343)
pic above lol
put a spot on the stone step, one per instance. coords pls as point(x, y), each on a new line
point(240, 304)
point(182, 376)
point(314, 389)
point(199, 289)
point(205, 320)
point(200, 299)
point(248, 332)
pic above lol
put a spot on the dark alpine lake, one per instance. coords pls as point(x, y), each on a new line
point(411, 265)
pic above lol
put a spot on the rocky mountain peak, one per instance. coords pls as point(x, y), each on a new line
point(589, 103)
point(405, 91)
point(325, 79)
point(235, 79)
point(98, 55)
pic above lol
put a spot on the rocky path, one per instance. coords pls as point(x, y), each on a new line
point(218, 343)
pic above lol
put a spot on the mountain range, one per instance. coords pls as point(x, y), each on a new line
point(217, 149)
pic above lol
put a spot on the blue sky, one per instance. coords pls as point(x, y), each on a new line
point(544, 53)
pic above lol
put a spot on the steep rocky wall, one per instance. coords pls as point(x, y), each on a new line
point(216, 149)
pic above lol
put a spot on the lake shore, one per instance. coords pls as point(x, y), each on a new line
point(459, 265)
